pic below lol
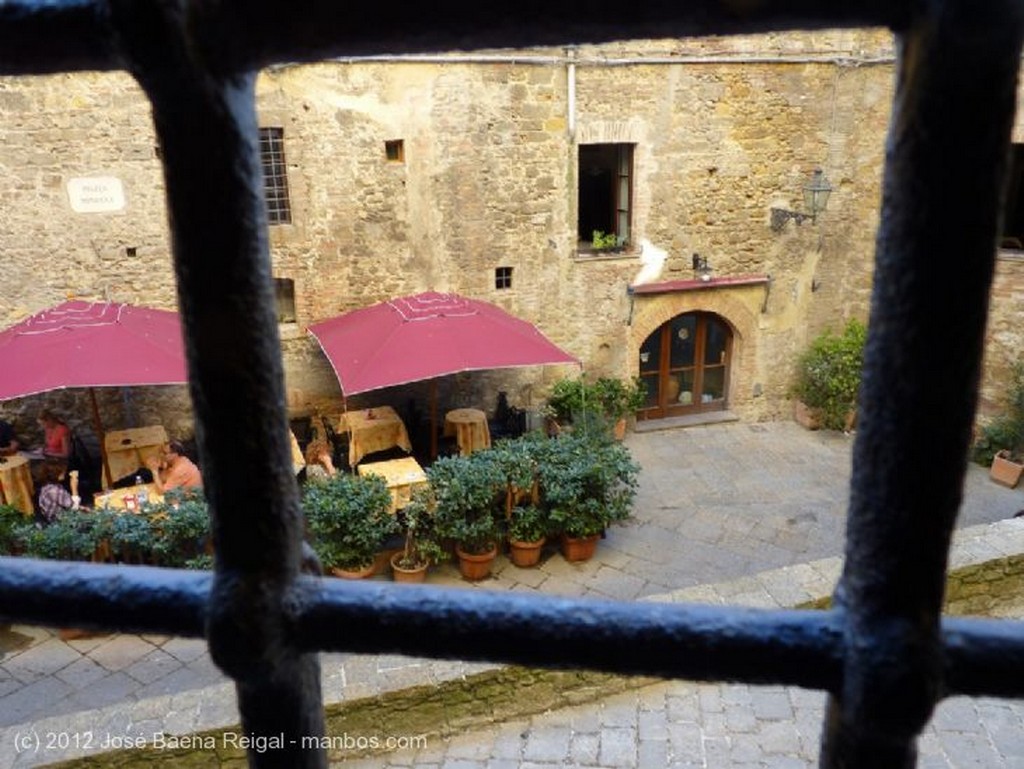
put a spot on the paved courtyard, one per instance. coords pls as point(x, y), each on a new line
point(716, 504)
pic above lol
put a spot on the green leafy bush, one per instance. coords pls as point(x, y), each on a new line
point(1005, 432)
point(595, 404)
point(828, 374)
point(349, 519)
point(469, 493)
point(528, 523)
point(586, 483)
point(11, 518)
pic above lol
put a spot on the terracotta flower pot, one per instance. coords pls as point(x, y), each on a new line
point(367, 571)
point(525, 554)
point(807, 417)
point(579, 549)
point(402, 574)
point(1004, 470)
point(475, 567)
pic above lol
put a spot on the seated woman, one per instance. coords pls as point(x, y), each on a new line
point(319, 465)
point(54, 498)
point(56, 435)
point(174, 470)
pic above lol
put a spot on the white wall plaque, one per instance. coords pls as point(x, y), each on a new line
point(96, 194)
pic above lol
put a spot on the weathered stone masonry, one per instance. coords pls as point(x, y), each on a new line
point(724, 130)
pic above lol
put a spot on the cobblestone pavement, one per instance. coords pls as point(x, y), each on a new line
point(707, 726)
point(715, 504)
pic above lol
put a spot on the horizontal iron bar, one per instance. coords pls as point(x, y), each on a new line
point(696, 642)
point(128, 599)
point(983, 656)
point(42, 36)
point(802, 648)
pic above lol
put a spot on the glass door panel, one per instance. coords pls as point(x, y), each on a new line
point(684, 366)
point(683, 330)
point(713, 386)
point(716, 342)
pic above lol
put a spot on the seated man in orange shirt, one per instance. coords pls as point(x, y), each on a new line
point(175, 471)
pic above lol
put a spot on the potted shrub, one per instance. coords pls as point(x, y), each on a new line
point(1001, 445)
point(349, 519)
point(469, 493)
point(421, 547)
point(617, 399)
point(568, 397)
point(527, 532)
point(587, 484)
point(828, 379)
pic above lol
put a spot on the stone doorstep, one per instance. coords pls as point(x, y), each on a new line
point(458, 702)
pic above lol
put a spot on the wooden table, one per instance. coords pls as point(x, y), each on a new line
point(469, 426)
point(16, 487)
point(373, 430)
point(119, 498)
point(402, 476)
point(128, 450)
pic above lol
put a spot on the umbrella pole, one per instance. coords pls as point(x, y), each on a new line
point(98, 427)
point(433, 419)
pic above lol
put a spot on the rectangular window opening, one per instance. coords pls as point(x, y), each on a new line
point(394, 151)
point(275, 178)
point(284, 299)
point(605, 195)
point(1012, 236)
point(503, 277)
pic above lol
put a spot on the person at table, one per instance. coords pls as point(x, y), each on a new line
point(54, 497)
point(8, 442)
point(175, 470)
point(319, 464)
point(56, 435)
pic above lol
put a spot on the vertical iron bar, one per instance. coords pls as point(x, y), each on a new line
point(205, 117)
point(945, 165)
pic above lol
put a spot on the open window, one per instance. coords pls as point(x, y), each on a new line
point(605, 196)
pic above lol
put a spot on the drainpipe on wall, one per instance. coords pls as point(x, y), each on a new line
point(570, 59)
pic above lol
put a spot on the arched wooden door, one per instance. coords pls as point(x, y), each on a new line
point(685, 366)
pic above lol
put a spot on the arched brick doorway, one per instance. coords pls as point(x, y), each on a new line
point(684, 365)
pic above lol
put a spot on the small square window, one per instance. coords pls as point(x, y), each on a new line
point(394, 151)
point(503, 277)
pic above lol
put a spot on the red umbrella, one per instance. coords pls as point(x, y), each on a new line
point(428, 335)
point(91, 344)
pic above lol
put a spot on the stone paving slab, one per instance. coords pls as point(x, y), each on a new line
point(734, 513)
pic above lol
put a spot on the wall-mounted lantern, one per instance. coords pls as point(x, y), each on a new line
point(701, 267)
point(816, 193)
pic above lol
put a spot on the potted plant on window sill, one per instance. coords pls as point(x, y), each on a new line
point(349, 518)
point(606, 243)
point(1001, 444)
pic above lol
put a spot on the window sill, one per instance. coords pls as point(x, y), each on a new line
point(289, 331)
point(586, 255)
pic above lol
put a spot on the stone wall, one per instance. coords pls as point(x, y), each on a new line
point(725, 129)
